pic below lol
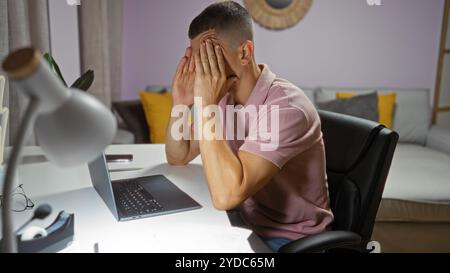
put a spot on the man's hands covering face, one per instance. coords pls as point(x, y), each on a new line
point(183, 82)
point(211, 83)
point(201, 74)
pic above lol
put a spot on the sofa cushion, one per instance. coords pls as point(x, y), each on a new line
point(309, 92)
point(157, 88)
point(412, 117)
point(157, 108)
point(364, 106)
point(386, 106)
point(419, 174)
point(326, 94)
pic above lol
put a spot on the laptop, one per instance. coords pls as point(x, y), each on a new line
point(138, 197)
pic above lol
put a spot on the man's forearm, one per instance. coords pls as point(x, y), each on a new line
point(224, 173)
point(178, 152)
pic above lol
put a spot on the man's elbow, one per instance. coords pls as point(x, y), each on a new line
point(230, 198)
point(226, 203)
point(175, 162)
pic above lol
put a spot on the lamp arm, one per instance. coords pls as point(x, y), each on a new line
point(9, 244)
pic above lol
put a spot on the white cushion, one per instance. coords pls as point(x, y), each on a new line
point(419, 174)
point(309, 92)
point(412, 118)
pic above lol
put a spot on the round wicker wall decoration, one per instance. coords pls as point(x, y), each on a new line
point(278, 14)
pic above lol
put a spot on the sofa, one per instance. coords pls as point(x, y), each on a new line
point(414, 215)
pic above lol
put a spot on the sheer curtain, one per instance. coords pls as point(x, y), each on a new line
point(101, 46)
point(26, 22)
point(22, 23)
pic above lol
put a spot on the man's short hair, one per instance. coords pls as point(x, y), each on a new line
point(227, 17)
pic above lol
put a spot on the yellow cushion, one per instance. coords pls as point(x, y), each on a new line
point(157, 108)
point(386, 106)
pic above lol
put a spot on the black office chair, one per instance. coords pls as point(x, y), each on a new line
point(359, 155)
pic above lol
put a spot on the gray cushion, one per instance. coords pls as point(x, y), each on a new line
point(157, 88)
point(323, 94)
point(363, 106)
point(412, 117)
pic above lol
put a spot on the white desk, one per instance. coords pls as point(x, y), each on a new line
point(202, 230)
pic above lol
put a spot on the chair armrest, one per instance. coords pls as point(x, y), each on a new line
point(323, 241)
point(439, 139)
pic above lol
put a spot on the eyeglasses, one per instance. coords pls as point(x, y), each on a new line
point(20, 201)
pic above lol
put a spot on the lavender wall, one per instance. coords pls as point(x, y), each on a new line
point(339, 43)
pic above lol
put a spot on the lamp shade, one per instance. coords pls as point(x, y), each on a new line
point(72, 127)
point(77, 131)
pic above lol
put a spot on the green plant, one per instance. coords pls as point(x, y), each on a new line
point(82, 83)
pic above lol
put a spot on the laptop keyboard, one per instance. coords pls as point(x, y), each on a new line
point(134, 200)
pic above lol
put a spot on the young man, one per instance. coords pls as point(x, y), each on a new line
point(282, 192)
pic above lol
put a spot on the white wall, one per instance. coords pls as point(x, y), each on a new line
point(64, 34)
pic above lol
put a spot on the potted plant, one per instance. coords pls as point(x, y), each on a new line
point(82, 83)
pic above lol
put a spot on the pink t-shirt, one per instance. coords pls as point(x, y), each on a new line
point(295, 203)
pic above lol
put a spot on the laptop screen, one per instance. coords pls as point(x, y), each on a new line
point(101, 181)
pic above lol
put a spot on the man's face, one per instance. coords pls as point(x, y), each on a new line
point(231, 56)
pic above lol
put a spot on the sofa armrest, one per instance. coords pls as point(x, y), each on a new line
point(124, 137)
point(439, 139)
point(132, 114)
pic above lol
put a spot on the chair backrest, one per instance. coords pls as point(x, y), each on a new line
point(359, 155)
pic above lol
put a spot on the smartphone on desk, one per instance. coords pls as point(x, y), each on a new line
point(119, 158)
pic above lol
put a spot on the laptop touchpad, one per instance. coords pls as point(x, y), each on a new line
point(166, 193)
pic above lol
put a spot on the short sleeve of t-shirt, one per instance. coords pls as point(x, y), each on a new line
point(281, 144)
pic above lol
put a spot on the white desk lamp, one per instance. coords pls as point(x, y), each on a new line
point(71, 126)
